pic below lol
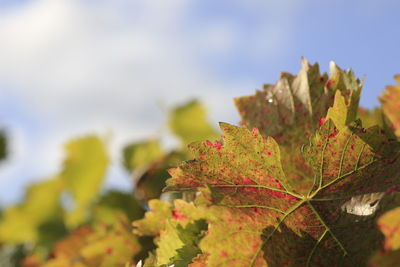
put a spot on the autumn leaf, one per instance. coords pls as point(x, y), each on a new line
point(389, 224)
point(246, 178)
point(293, 105)
point(390, 100)
point(293, 108)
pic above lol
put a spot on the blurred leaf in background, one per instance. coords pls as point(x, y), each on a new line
point(114, 202)
point(149, 162)
point(41, 204)
point(90, 224)
point(83, 173)
point(189, 122)
point(3, 145)
point(139, 155)
point(98, 245)
point(390, 100)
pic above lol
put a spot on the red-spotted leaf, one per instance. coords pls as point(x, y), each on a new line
point(265, 211)
point(278, 110)
point(292, 109)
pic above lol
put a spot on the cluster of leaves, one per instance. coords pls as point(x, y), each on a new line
point(308, 179)
point(68, 219)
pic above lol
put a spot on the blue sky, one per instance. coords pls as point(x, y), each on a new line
point(70, 67)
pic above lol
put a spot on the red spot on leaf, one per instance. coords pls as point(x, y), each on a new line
point(329, 83)
point(224, 254)
point(255, 131)
point(334, 133)
point(269, 153)
point(322, 120)
point(216, 144)
point(257, 210)
point(247, 180)
point(109, 251)
point(178, 215)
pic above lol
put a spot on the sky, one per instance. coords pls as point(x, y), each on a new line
point(74, 67)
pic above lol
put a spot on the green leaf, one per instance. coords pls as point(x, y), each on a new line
point(178, 230)
point(190, 237)
point(141, 155)
point(83, 172)
point(154, 221)
point(113, 203)
point(41, 204)
point(390, 100)
point(372, 117)
point(102, 245)
point(150, 182)
point(259, 203)
point(350, 88)
point(189, 122)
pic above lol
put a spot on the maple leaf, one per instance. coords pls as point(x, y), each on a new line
point(245, 176)
point(293, 108)
point(390, 100)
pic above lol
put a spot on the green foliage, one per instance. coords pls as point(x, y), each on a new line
point(142, 154)
point(309, 179)
point(189, 122)
point(21, 223)
point(149, 162)
point(83, 173)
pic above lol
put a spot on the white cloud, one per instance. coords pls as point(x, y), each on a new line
point(79, 66)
